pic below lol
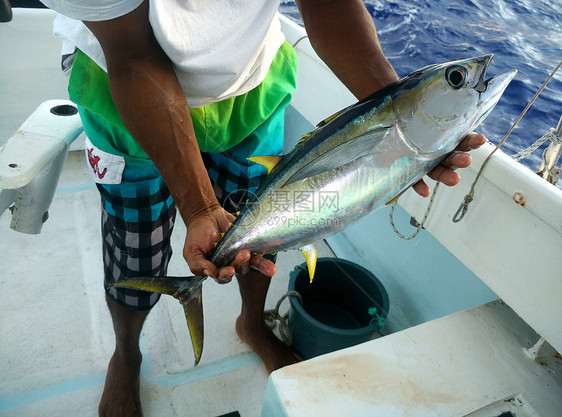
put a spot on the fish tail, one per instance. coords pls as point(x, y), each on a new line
point(188, 290)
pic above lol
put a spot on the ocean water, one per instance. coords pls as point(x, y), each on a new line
point(522, 34)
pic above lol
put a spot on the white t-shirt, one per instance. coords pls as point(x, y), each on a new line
point(219, 48)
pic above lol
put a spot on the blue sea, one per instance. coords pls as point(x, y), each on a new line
point(522, 34)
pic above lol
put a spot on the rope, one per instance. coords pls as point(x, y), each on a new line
point(420, 225)
point(273, 316)
point(532, 148)
point(470, 196)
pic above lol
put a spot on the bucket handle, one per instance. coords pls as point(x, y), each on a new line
point(272, 316)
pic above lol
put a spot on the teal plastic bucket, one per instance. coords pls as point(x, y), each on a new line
point(343, 306)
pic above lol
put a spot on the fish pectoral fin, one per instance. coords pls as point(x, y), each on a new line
point(188, 290)
point(310, 253)
point(268, 161)
point(341, 154)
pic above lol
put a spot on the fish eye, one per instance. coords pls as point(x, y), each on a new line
point(456, 76)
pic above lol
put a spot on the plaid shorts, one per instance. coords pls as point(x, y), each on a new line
point(138, 215)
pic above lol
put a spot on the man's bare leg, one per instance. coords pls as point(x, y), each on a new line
point(121, 392)
point(251, 327)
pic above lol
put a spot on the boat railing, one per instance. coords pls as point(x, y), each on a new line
point(32, 160)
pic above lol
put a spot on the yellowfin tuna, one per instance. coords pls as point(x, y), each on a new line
point(360, 159)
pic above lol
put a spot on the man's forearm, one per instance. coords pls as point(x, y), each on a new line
point(343, 34)
point(152, 106)
point(156, 113)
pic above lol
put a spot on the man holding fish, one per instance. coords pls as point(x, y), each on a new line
point(174, 97)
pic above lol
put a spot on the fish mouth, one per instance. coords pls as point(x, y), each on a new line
point(496, 83)
point(491, 90)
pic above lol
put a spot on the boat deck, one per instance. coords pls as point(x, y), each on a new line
point(56, 330)
point(56, 334)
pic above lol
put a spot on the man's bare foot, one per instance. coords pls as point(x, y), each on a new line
point(121, 392)
point(273, 352)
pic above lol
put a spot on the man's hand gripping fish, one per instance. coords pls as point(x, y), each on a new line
point(354, 163)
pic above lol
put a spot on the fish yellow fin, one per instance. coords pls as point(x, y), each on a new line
point(395, 198)
point(330, 118)
point(304, 138)
point(310, 253)
point(270, 161)
point(320, 124)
